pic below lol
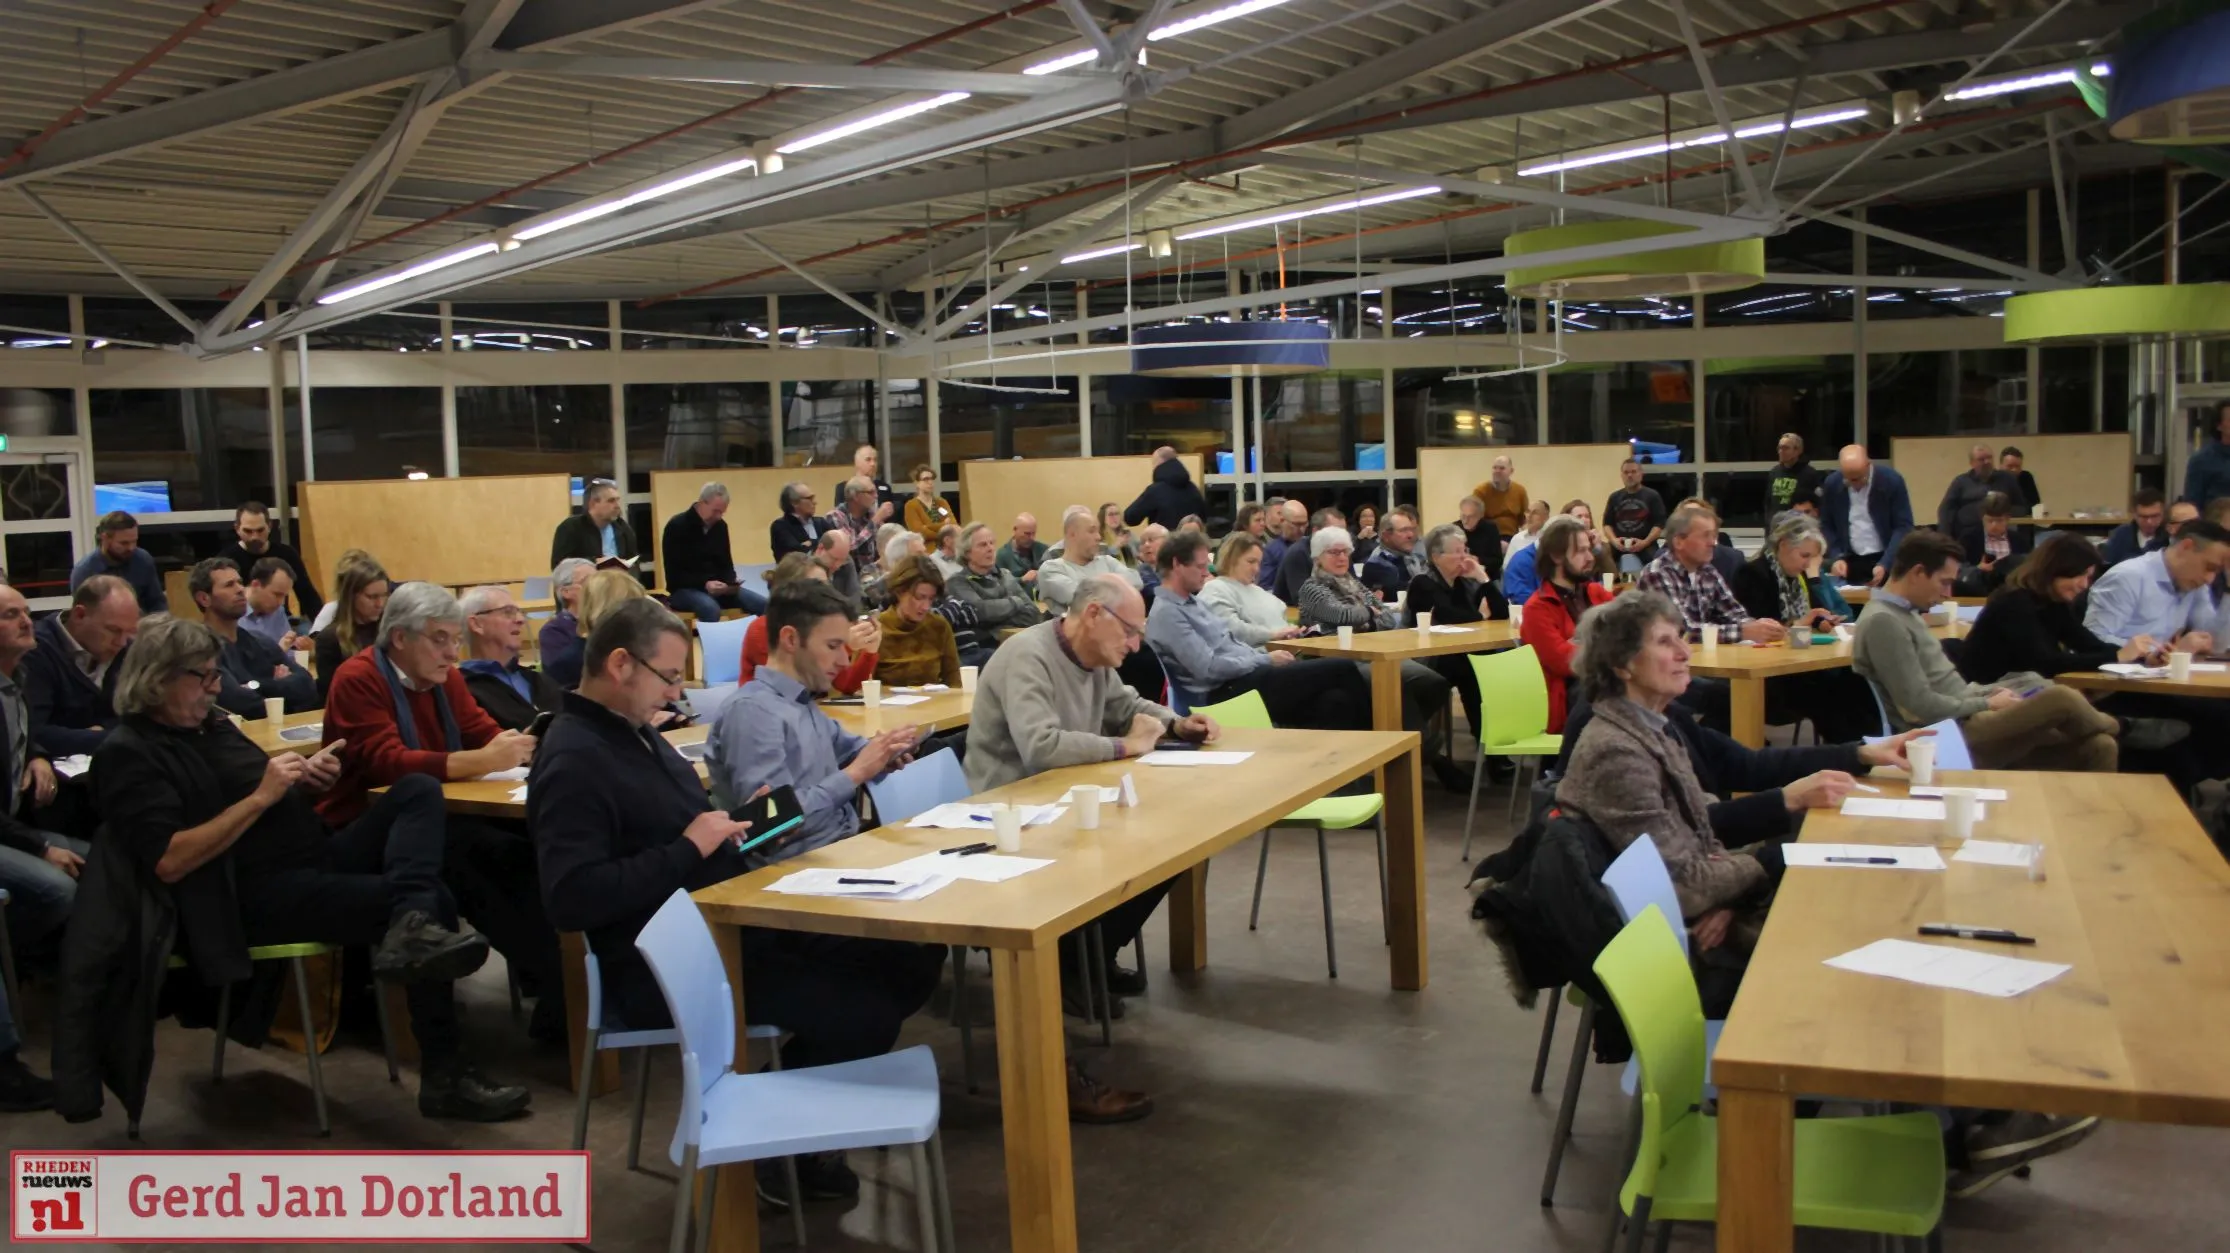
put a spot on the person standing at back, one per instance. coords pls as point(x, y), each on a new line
point(1635, 518)
point(699, 566)
point(1505, 500)
point(1961, 507)
point(926, 511)
point(2011, 461)
point(119, 555)
point(867, 464)
point(1171, 495)
point(1794, 480)
point(1866, 513)
point(252, 542)
point(2207, 474)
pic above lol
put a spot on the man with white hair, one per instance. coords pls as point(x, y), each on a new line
point(857, 518)
point(833, 553)
point(698, 564)
point(511, 694)
point(883, 505)
point(799, 527)
point(1080, 559)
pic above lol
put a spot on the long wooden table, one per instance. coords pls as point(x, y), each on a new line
point(2213, 684)
point(2136, 898)
point(1185, 816)
point(1746, 667)
point(263, 735)
point(1386, 650)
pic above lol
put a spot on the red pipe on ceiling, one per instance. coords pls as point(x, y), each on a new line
point(24, 151)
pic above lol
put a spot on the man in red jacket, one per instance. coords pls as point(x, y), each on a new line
point(403, 708)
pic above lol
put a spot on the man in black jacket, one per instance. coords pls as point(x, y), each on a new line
point(1961, 506)
point(70, 677)
point(508, 692)
point(252, 542)
point(252, 667)
point(39, 869)
point(598, 531)
point(1170, 497)
point(799, 527)
point(698, 565)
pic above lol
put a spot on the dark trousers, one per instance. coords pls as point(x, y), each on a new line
point(491, 870)
point(2204, 754)
point(379, 867)
point(1118, 926)
point(1321, 694)
point(1711, 700)
point(1859, 569)
point(1837, 702)
point(1457, 670)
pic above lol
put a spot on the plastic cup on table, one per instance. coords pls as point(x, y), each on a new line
point(2179, 666)
point(1006, 828)
point(1401, 599)
point(1710, 639)
point(1424, 622)
point(1085, 797)
point(1922, 754)
point(968, 678)
point(1800, 635)
point(1610, 582)
point(871, 691)
point(1517, 617)
point(1959, 809)
point(274, 710)
point(1347, 637)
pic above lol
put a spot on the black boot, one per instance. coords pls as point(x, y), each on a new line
point(418, 949)
point(22, 1092)
point(461, 1092)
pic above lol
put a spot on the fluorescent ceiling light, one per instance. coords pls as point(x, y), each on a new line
point(595, 211)
point(1185, 26)
point(871, 121)
point(1068, 61)
point(2025, 80)
point(1111, 250)
point(427, 266)
point(1404, 193)
point(1693, 139)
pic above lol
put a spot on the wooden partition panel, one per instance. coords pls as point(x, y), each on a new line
point(2072, 471)
point(754, 502)
point(1553, 472)
point(493, 529)
point(995, 491)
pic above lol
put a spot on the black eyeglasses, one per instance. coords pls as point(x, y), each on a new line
point(670, 680)
point(204, 676)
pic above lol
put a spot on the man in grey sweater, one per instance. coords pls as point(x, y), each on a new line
point(1202, 656)
point(2021, 722)
point(999, 598)
point(1080, 558)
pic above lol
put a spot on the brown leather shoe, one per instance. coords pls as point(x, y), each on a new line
point(1091, 1101)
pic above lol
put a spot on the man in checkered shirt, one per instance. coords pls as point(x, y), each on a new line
point(1684, 573)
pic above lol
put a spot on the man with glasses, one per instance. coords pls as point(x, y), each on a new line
point(1202, 656)
point(38, 868)
point(799, 527)
point(598, 531)
point(621, 823)
point(511, 694)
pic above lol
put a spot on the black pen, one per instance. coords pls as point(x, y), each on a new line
point(1998, 934)
point(889, 883)
point(1860, 861)
point(967, 849)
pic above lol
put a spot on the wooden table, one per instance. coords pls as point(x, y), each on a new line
point(266, 737)
point(1746, 667)
point(2136, 899)
point(941, 712)
point(2093, 519)
point(1386, 650)
point(1185, 817)
point(2212, 684)
point(1858, 594)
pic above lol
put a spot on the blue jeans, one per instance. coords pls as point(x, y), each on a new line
point(41, 892)
point(707, 607)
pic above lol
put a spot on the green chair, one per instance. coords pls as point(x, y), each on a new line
point(1331, 813)
point(1883, 1175)
point(1513, 722)
point(293, 954)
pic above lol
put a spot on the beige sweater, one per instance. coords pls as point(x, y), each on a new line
point(1037, 710)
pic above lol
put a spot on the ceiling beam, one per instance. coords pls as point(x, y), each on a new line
point(891, 78)
point(1084, 234)
point(548, 22)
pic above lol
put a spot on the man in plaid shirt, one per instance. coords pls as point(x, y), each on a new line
point(856, 518)
point(1684, 573)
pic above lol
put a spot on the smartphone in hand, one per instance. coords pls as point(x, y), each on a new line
point(774, 813)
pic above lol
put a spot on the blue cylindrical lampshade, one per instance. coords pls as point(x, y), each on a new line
point(1222, 349)
point(2171, 81)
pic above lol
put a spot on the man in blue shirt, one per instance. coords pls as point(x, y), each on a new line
point(2166, 595)
point(269, 582)
point(119, 554)
point(1204, 659)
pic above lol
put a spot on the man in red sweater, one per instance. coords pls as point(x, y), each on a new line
point(403, 708)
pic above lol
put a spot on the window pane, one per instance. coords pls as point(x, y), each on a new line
point(822, 422)
point(211, 446)
point(736, 322)
point(1769, 303)
point(28, 412)
point(1134, 414)
point(34, 492)
point(1335, 420)
point(1605, 402)
point(974, 423)
point(412, 328)
point(2067, 375)
point(35, 314)
point(535, 430)
point(369, 432)
point(1750, 401)
point(1438, 413)
point(819, 320)
point(1885, 304)
point(133, 318)
point(39, 563)
point(1945, 393)
point(675, 426)
point(908, 428)
point(522, 327)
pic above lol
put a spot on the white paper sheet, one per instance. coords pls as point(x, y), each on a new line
point(307, 731)
point(73, 765)
point(1942, 966)
point(1892, 807)
point(1980, 793)
point(978, 867)
point(514, 774)
point(519, 793)
point(903, 887)
point(2133, 670)
point(919, 687)
point(1453, 630)
point(1993, 853)
point(1855, 856)
point(962, 816)
point(905, 700)
point(1192, 758)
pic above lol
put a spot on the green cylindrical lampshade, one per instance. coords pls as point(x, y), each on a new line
point(1693, 270)
point(2106, 313)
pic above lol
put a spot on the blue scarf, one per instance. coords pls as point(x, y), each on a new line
point(405, 724)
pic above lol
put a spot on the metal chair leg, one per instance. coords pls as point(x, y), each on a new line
point(518, 1003)
point(309, 1044)
point(925, 1201)
point(1518, 785)
point(1664, 1236)
point(586, 1088)
point(704, 1209)
point(960, 1016)
point(1638, 1225)
point(797, 1200)
point(1324, 881)
point(678, 1236)
point(945, 1242)
point(642, 1098)
point(224, 1023)
point(1385, 896)
point(1261, 870)
point(1548, 1031)
point(1572, 1076)
point(7, 962)
point(1137, 942)
point(1626, 1158)
point(1471, 812)
point(386, 1032)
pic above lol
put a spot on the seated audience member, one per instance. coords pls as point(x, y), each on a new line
point(926, 511)
point(2021, 722)
point(1453, 588)
point(1170, 496)
point(1021, 555)
point(360, 588)
point(403, 710)
point(119, 556)
point(269, 581)
point(1203, 657)
point(1484, 539)
point(327, 612)
point(38, 868)
point(2179, 513)
point(251, 668)
point(1994, 547)
point(507, 692)
point(1778, 584)
point(1520, 572)
point(69, 679)
point(559, 644)
point(947, 552)
point(2030, 625)
point(1299, 564)
point(1568, 590)
point(22, 1090)
point(833, 554)
point(1397, 561)
point(1333, 597)
point(1633, 519)
point(1050, 698)
point(1365, 533)
point(918, 645)
point(1079, 559)
point(1254, 615)
point(1961, 507)
point(1639, 766)
point(252, 544)
point(1150, 539)
point(799, 527)
point(866, 464)
point(1289, 522)
point(232, 832)
point(2145, 532)
point(1536, 517)
point(1116, 539)
point(1000, 600)
point(599, 531)
point(604, 591)
point(2010, 461)
point(2167, 595)
point(858, 518)
point(1725, 557)
point(1253, 522)
point(1685, 575)
point(697, 563)
point(864, 636)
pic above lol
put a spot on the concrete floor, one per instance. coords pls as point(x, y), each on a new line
point(1292, 1112)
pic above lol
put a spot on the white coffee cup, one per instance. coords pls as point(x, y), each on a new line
point(302, 658)
point(1086, 798)
point(1006, 828)
point(1922, 754)
point(1517, 616)
point(967, 678)
point(871, 690)
point(1347, 637)
point(2039, 512)
point(1959, 811)
point(1401, 599)
point(2179, 666)
point(1710, 638)
point(1424, 620)
point(1610, 582)
point(274, 709)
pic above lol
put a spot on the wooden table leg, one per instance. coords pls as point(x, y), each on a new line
point(1188, 919)
point(1757, 1172)
point(1386, 708)
point(1746, 711)
point(735, 1208)
point(572, 960)
point(1405, 866)
point(1033, 1099)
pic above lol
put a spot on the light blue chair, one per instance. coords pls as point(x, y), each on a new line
point(1952, 752)
point(920, 786)
point(722, 644)
point(729, 1118)
point(537, 588)
point(705, 703)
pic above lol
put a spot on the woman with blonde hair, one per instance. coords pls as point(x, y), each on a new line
point(360, 587)
point(605, 591)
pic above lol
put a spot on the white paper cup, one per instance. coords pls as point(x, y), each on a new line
point(1610, 582)
point(1424, 620)
point(2039, 512)
point(1006, 828)
point(1709, 638)
point(1517, 616)
point(1347, 637)
point(1401, 599)
point(302, 658)
point(871, 690)
point(1922, 754)
point(1959, 807)
point(2179, 666)
point(274, 709)
point(968, 678)
point(1800, 635)
point(1085, 798)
